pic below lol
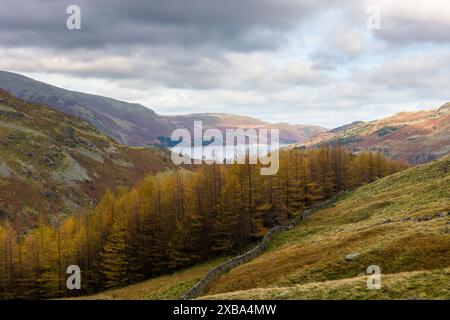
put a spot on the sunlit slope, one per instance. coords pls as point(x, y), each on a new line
point(430, 284)
point(400, 223)
point(417, 137)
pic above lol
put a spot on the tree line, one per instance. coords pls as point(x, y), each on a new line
point(171, 221)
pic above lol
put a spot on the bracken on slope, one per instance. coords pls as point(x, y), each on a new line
point(52, 163)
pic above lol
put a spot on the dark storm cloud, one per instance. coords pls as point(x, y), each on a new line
point(173, 43)
point(232, 24)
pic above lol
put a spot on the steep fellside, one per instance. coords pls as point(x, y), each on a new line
point(128, 123)
point(417, 137)
point(52, 163)
point(400, 223)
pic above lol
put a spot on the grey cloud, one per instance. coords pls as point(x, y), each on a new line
point(180, 44)
point(300, 73)
point(232, 24)
point(397, 31)
point(422, 73)
point(179, 68)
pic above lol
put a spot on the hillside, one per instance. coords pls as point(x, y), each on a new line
point(135, 124)
point(400, 223)
point(128, 123)
point(51, 162)
point(417, 137)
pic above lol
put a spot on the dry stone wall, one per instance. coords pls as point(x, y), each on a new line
point(199, 288)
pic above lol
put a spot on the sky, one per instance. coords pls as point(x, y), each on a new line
point(316, 62)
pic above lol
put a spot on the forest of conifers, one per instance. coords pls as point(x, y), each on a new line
point(170, 221)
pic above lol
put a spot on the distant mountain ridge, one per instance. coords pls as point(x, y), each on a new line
point(134, 124)
point(416, 137)
point(222, 121)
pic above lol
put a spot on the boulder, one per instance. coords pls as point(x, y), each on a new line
point(351, 256)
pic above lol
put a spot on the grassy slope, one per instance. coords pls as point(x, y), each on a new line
point(165, 287)
point(405, 285)
point(308, 261)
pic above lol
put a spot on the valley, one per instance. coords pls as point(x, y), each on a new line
point(207, 151)
point(76, 187)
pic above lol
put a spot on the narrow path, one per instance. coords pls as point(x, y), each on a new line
point(199, 288)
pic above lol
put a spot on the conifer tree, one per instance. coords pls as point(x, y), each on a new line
point(114, 259)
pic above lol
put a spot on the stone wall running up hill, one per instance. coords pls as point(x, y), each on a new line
point(199, 288)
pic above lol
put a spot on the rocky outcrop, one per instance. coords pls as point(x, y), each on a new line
point(444, 108)
point(11, 115)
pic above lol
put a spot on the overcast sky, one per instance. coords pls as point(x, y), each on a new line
point(296, 61)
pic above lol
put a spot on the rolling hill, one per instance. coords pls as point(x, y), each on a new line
point(417, 137)
point(400, 223)
point(52, 163)
point(135, 124)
